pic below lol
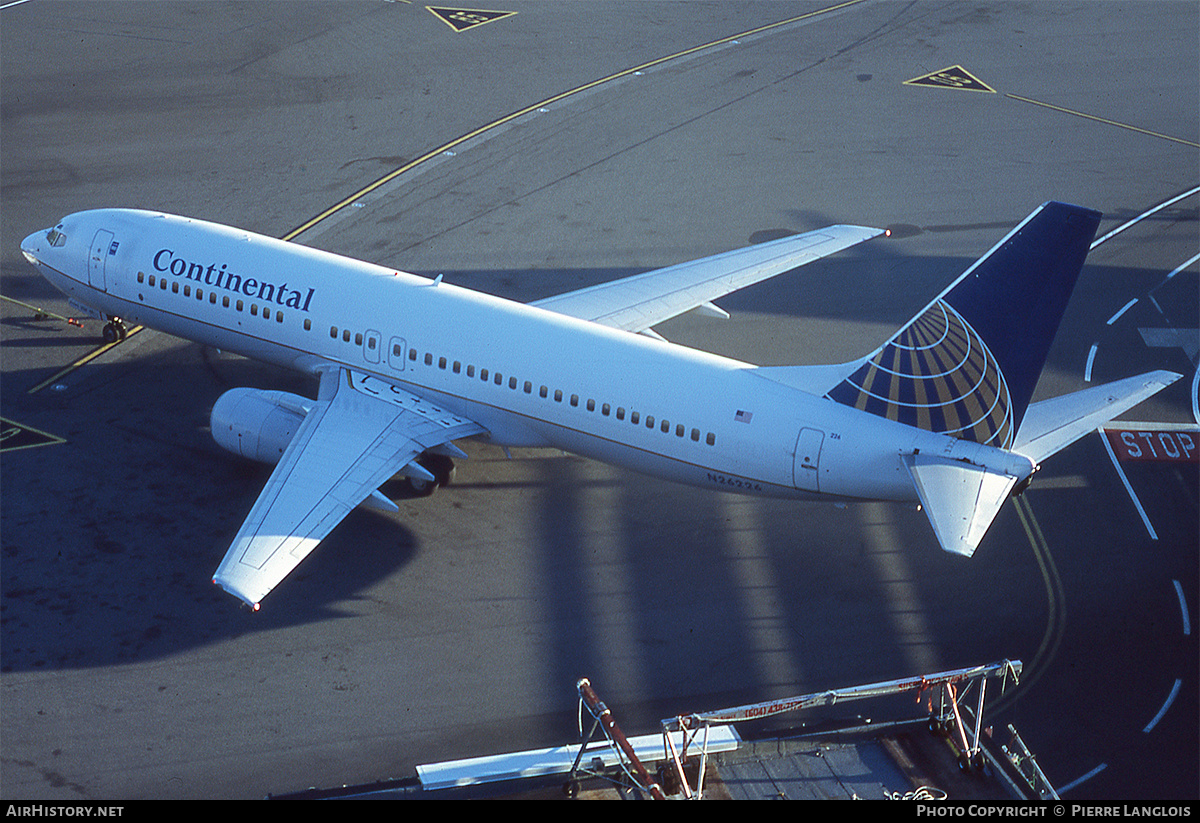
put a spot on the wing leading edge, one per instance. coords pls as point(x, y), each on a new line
point(637, 303)
point(363, 431)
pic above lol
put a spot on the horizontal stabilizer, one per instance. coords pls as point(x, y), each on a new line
point(960, 498)
point(1052, 425)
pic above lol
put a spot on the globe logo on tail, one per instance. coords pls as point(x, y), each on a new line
point(938, 375)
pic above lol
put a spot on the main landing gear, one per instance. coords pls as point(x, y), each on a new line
point(438, 465)
point(115, 330)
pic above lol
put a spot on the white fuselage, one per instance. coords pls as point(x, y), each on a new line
point(529, 376)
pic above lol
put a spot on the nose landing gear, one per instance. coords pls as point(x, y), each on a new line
point(115, 330)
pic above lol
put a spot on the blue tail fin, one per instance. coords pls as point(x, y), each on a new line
point(967, 365)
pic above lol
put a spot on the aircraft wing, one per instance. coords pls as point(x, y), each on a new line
point(360, 433)
point(637, 303)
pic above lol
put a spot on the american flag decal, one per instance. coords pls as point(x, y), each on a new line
point(742, 416)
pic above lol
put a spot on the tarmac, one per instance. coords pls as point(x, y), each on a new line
point(533, 153)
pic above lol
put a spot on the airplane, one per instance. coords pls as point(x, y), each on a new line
point(939, 415)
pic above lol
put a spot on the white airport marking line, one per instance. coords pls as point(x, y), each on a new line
point(1143, 216)
point(1179, 269)
point(1128, 487)
point(1166, 705)
point(1124, 309)
point(1087, 370)
point(1064, 789)
point(1196, 396)
point(1183, 609)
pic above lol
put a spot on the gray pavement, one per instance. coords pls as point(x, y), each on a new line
point(459, 626)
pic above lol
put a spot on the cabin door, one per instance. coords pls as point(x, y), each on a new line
point(807, 460)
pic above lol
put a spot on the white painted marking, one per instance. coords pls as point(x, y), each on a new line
point(1064, 789)
point(1124, 309)
point(1166, 705)
point(1128, 488)
point(1144, 215)
point(1087, 372)
point(1196, 396)
point(1183, 609)
point(1181, 268)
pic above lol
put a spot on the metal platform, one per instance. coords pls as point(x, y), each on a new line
point(946, 754)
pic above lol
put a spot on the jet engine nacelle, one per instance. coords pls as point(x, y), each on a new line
point(257, 424)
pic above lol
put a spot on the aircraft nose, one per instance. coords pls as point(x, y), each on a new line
point(31, 246)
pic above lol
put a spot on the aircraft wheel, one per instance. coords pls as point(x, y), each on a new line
point(439, 466)
point(419, 486)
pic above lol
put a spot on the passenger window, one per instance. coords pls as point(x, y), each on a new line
point(457, 368)
point(238, 306)
point(543, 392)
point(333, 332)
point(591, 404)
point(142, 277)
point(254, 309)
point(512, 382)
point(470, 371)
point(175, 288)
point(224, 302)
point(665, 427)
point(483, 375)
point(428, 358)
point(307, 324)
point(558, 395)
point(679, 430)
point(528, 387)
point(696, 435)
point(605, 409)
point(187, 291)
point(711, 439)
point(649, 421)
point(620, 413)
point(574, 400)
point(441, 363)
point(499, 379)
point(634, 417)
point(358, 339)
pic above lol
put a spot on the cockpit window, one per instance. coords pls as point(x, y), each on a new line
point(56, 237)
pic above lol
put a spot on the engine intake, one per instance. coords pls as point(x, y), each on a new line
point(257, 424)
